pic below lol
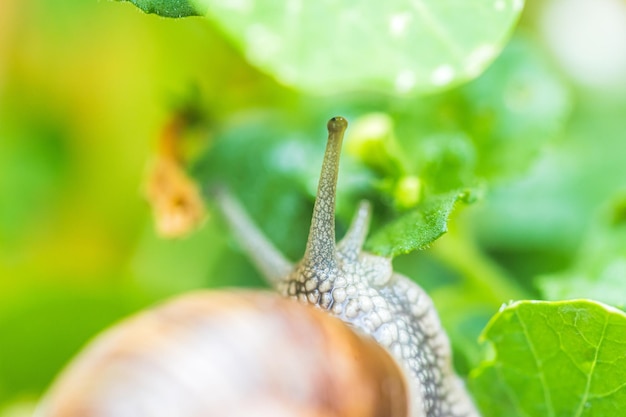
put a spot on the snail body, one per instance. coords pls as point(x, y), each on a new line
point(363, 290)
point(196, 343)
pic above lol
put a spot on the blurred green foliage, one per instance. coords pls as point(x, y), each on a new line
point(599, 268)
point(85, 87)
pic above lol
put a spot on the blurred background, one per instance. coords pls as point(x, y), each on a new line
point(86, 89)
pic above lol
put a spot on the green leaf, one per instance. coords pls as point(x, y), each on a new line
point(554, 359)
point(396, 46)
point(166, 8)
point(415, 230)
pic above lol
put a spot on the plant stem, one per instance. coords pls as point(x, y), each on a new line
point(457, 250)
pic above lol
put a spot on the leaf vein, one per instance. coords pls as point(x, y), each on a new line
point(585, 395)
point(544, 385)
point(510, 393)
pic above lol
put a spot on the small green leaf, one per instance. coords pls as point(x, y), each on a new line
point(396, 46)
point(416, 229)
point(166, 8)
point(553, 359)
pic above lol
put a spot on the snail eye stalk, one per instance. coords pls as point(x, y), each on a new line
point(320, 248)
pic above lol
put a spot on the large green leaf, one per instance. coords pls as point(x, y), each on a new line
point(396, 46)
point(554, 359)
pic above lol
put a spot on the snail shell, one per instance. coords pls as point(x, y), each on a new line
point(230, 353)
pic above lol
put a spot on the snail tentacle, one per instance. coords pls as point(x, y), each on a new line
point(320, 249)
point(350, 246)
point(266, 257)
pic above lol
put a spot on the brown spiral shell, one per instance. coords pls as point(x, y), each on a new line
point(230, 353)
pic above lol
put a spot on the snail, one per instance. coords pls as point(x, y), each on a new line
point(348, 337)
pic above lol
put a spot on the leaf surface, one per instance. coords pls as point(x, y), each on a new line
point(396, 46)
point(415, 230)
point(554, 359)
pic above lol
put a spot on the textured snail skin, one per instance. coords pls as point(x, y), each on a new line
point(230, 353)
point(362, 290)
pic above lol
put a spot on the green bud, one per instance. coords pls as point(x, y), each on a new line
point(408, 192)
